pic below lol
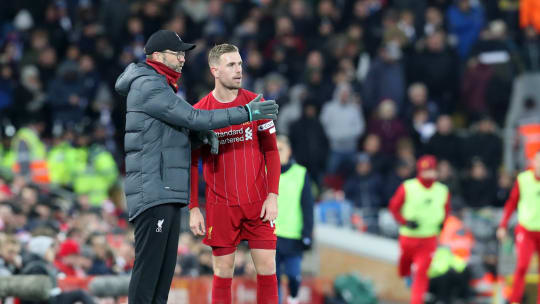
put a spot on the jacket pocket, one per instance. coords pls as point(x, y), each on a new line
point(175, 169)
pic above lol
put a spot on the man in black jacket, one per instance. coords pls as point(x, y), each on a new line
point(160, 128)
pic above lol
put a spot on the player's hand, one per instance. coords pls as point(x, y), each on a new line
point(257, 109)
point(501, 233)
point(209, 138)
point(269, 209)
point(306, 243)
point(196, 222)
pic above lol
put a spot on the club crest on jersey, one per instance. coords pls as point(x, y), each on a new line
point(210, 232)
point(249, 134)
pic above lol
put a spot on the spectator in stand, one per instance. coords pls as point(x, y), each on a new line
point(402, 170)
point(380, 162)
point(436, 65)
point(7, 85)
point(310, 149)
point(385, 79)
point(421, 129)
point(41, 251)
point(275, 88)
point(387, 126)
point(343, 122)
point(29, 96)
point(484, 143)
point(68, 259)
point(474, 85)
point(301, 18)
point(496, 51)
point(66, 94)
point(449, 177)
point(363, 188)
point(445, 144)
point(103, 258)
point(434, 20)
point(530, 50)
point(479, 186)
point(465, 21)
point(319, 88)
point(418, 97)
point(292, 111)
point(10, 258)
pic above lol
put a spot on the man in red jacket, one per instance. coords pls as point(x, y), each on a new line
point(525, 196)
point(420, 205)
point(242, 184)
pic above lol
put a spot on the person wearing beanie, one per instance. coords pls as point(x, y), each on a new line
point(67, 258)
point(161, 128)
point(420, 206)
point(40, 261)
point(525, 197)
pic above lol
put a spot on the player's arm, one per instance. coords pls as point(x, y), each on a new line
point(396, 202)
point(196, 219)
point(307, 213)
point(267, 138)
point(160, 102)
point(509, 208)
point(447, 209)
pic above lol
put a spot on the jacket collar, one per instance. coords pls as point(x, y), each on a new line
point(171, 75)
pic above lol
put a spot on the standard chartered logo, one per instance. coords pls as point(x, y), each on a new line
point(234, 136)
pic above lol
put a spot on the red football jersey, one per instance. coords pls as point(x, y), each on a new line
point(238, 174)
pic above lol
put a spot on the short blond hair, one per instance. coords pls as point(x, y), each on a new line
point(218, 50)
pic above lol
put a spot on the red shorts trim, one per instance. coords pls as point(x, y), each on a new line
point(256, 244)
point(253, 244)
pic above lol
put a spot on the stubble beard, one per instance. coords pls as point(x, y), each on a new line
point(231, 86)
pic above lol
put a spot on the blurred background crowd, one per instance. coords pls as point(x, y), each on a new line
point(365, 87)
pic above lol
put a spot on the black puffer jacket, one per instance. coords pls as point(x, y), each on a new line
point(157, 139)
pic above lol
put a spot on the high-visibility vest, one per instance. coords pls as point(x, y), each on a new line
point(424, 205)
point(7, 159)
point(529, 201)
point(62, 162)
point(98, 176)
point(444, 260)
point(290, 221)
point(38, 165)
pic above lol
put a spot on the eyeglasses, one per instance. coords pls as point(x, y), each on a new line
point(178, 54)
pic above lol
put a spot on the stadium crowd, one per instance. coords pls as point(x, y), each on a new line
point(365, 88)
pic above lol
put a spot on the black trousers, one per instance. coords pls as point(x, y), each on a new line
point(156, 243)
point(451, 286)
